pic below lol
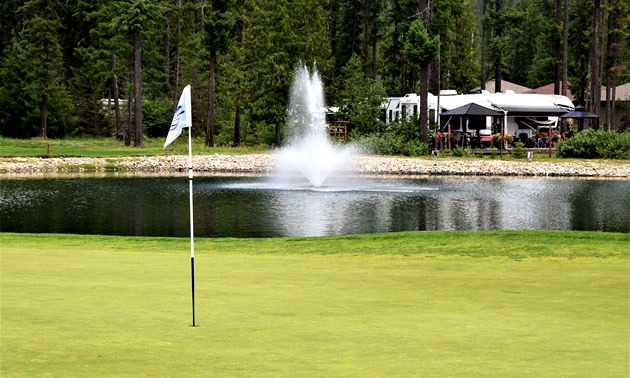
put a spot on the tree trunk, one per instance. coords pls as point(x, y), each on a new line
point(211, 81)
point(374, 39)
point(613, 115)
point(565, 49)
point(424, 94)
point(483, 46)
point(424, 80)
point(556, 47)
point(237, 116)
point(129, 112)
point(366, 37)
point(177, 57)
point(138, 140)
point(611, 69)
point(237, 127)
point(119, 134)
point(43, 119)
point(354, 26)
point(199, 14)
point(166, 49)
point(403, 78)
point(595, 57)
point(333, 36)
point(497, 60)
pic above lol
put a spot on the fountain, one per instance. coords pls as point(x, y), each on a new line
point(309, 154)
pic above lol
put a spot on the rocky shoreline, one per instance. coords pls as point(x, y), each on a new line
point(266, 163)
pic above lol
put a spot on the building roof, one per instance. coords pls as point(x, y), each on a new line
point(548, 89)
point(505, 86)
point(622, 93)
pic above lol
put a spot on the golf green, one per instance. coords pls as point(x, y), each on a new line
point(103, 306)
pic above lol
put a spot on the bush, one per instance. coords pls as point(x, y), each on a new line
point(593, 144)
point(390, 143)
point(416, 148)
point(518, 151)
point(156, 117)
point(459, 152)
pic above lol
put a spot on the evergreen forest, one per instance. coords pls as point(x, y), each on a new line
point(117, 68)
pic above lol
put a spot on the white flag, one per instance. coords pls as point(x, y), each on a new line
point(182, 117)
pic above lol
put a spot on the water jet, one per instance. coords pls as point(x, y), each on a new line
point(309, 154)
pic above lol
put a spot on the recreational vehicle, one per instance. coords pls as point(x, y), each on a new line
point(525, 116)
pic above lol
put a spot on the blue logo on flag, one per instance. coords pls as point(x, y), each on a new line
point(178, 114)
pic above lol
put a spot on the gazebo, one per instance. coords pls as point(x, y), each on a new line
point(579, 113)
point(472, 112)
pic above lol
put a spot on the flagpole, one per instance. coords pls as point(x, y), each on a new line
point(192, 237)
point(183, 119)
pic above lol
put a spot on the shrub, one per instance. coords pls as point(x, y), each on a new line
point(518, 151)
point(459, 152)
point(390, 143)
point(596, 144)
point(494, 153)
point(416, 148)
point(156, 117)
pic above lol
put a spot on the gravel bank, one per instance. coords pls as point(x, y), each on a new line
point(360, 164)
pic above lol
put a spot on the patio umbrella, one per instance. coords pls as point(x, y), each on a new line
point(579, 113)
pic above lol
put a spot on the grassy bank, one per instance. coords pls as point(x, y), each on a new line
point(109, 147)
point(509, 303)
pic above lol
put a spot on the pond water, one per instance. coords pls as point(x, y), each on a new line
point(246, 206)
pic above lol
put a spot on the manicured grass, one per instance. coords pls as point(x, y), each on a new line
point(507, 303)
point(109, 147)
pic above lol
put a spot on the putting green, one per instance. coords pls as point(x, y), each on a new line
point(102, 306)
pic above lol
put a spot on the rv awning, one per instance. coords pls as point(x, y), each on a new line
point(533, 111)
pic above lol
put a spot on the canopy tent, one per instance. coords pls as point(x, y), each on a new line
point(473, 112)
point(475, 116)
point(473, 109)
point(579, 113)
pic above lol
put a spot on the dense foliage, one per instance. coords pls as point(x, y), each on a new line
point(117, 67)
point(596, 144)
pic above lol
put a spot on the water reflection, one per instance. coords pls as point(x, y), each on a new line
point(255, 206)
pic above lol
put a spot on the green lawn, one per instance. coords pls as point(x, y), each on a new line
point(109, 147)
point(508, 303)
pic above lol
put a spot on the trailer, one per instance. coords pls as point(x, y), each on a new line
point(524, 114)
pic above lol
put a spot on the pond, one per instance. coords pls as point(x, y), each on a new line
point(248, 206)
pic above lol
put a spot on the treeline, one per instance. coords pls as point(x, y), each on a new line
point(116, 68)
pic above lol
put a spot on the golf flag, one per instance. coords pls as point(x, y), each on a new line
point(182, 117)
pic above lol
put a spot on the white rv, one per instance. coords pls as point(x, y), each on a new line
point(525, 113)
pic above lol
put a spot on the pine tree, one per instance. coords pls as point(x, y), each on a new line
point(361, 97)
point(37, 52)
point(278, 35)
point(580, 34)
point(133, 18)
point(595, 67)
point(218, 29)
point(421, 50)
